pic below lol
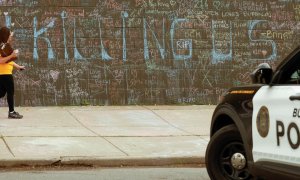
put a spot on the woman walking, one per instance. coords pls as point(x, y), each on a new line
point(6, 77)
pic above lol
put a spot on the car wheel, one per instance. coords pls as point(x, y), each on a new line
point(225, 155)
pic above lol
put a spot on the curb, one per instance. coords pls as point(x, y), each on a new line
point(105, 162)
point(27, 162)
point(135, 161)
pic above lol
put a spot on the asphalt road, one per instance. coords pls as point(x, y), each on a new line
point(139, 173)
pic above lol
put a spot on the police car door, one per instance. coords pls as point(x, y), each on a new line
point(276, 119)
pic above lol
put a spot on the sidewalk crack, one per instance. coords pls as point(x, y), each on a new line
point(6, 144)
point(167, 121)
point(95, 132)
point(81, 123)
point(116, 146)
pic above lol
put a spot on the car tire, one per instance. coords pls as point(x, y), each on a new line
point(225, 155)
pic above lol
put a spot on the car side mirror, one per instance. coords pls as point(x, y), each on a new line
point(262, 75)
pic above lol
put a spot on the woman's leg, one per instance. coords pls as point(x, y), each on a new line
point(2, 86)
point(7, 83)
point(10, 93)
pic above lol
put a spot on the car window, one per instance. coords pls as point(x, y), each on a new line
point(290, 74)
point(294, 78)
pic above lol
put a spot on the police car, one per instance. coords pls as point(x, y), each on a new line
point(255, 129)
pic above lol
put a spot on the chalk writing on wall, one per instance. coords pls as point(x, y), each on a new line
point(108, 52)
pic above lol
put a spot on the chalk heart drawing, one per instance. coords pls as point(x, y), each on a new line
point(264, 52)
point(201, 17)
point(54, 75)
point(217, 4)
point(22, 21)
point(244, 77)
point(5, 13)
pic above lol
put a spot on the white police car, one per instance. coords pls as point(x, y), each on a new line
point(255, 129)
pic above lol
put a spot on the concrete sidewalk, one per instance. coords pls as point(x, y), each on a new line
point(105, 135)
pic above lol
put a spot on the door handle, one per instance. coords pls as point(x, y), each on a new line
point(295, 97)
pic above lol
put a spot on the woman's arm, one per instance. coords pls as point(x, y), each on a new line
point(7, 58)
point(18, 66)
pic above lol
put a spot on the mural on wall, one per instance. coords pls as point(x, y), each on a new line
point(109, 52)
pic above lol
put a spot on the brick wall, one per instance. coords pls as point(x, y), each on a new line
point(112, 52)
